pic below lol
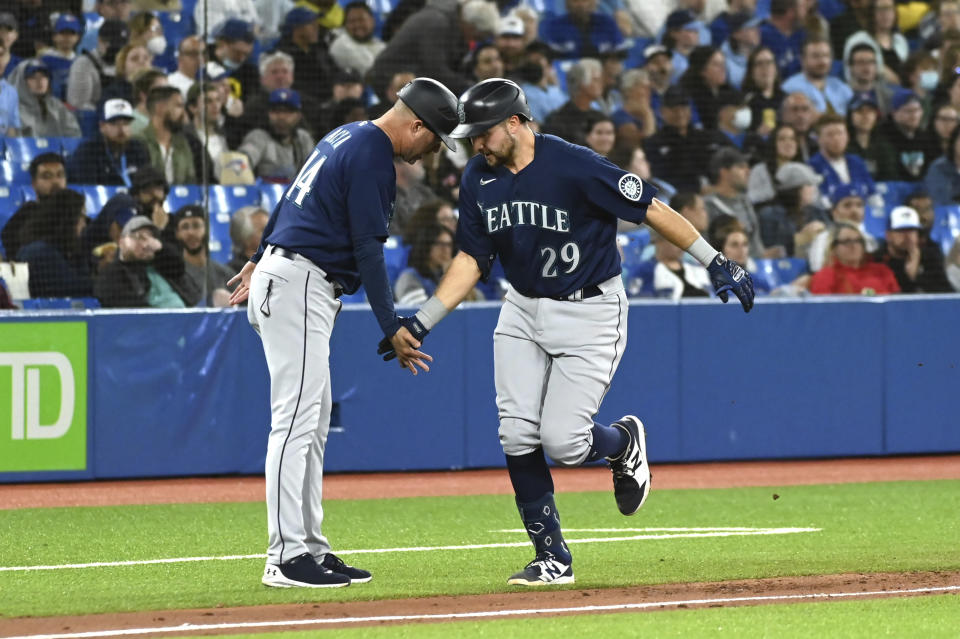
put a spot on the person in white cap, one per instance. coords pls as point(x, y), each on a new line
point(113, 157)
point(919, 269)
point(511, 42)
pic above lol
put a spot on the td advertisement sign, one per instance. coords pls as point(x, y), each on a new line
point(43, 396)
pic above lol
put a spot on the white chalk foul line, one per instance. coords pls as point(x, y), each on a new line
point(485, 614)
point(704, 532)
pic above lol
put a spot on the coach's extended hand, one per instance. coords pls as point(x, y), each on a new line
point(413, 326)
point(726, 275)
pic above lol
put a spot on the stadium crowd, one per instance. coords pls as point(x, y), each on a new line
point(817, 142)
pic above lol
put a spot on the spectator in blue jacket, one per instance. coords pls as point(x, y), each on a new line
point(113, 157)
point(582, 32)
point(66, 35)
point(681, 36)
point(783, 35)
point(744, 39)
point(538, 79)
point(825, 92)
point(51, 247)
point(943, 177)
point(834, 164)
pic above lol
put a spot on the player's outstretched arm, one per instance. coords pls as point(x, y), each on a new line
point(726, 275)
point(459, 280)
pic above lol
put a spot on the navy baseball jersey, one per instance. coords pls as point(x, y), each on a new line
point(345, 191)
point(554, 223)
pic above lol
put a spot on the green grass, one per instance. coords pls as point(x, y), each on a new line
point(927, 617)
point(866, 527)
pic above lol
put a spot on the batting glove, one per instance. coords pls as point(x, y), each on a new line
point(726, 275)
point(412, 324)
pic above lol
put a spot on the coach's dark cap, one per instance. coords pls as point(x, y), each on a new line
point(676, 96)
point(147, 176)
point(435, 105)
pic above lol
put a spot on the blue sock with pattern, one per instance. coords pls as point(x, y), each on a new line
point(542, 522)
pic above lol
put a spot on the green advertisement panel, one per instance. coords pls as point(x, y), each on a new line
point(43, 396)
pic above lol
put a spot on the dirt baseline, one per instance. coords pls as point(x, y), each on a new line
point(535, 602)
point(525, 603)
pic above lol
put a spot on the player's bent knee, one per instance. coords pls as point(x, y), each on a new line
point(518, 436)
point(566, 452)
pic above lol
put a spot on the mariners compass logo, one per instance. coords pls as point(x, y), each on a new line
point(631, 186)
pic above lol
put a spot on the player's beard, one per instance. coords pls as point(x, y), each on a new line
point(504, 154)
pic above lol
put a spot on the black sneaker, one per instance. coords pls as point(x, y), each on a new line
point(631, 473)
point(545, 570)
point(302, 572)
point(334, 563)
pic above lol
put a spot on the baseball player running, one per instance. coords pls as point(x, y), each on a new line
point(324, 238)
point(549, 210)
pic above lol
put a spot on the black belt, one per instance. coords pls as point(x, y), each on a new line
point(290, 255)
point(583, 294)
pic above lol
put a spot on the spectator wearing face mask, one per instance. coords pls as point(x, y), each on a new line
point(146, 30)
point(94, 69)
point(734, 118)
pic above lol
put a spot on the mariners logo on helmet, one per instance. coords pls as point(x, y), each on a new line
point(631, 186)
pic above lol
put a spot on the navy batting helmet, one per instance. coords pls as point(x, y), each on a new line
point(485, 104)
point(433, 103)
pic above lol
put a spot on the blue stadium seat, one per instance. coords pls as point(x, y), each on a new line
point(223, 203)
point(45, 303)
point(896, 193)
point(176, 26)
point(635, 57)
point(270, 194)
point(25, 149)
point(69, 145)
point(89, 121)
point(771, 273)
point(183, 194)
point(632, 244)
point(14, 173)
point(875, 220)
point(97, 195)
point(946, 226)
point(395, 254)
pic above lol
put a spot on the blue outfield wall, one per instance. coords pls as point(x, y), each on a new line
point(187, 393)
